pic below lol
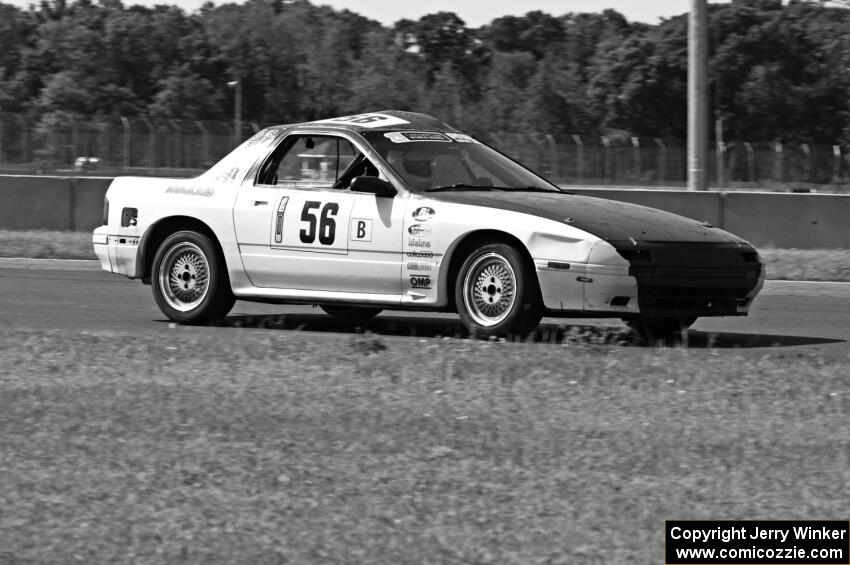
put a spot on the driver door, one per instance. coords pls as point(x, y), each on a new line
point(298, 229)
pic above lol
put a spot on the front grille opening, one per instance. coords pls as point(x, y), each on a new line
point(620, 301)
point(635, 254)
point(750, 256)
point(690, 299)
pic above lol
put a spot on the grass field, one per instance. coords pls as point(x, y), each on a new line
point(272, 448)
point(782, 264)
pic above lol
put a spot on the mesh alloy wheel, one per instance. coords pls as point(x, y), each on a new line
point(496, 292)
point(489, 289)
point(189, 279)
point(184, 276)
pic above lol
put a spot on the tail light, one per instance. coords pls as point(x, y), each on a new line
point(105, 211)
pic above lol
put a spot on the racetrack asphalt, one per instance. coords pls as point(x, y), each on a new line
point(42, 294)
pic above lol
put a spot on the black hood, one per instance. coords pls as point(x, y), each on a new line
point(606, 219)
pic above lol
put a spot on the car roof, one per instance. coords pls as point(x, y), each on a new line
point(382, 121)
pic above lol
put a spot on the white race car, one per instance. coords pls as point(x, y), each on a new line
point(397, 210)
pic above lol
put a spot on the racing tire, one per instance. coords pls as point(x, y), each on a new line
point(496, 292)
point(660, 329)
point(189, 279)
point(351, 313)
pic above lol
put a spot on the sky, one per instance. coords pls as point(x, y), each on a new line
point(479, 12)
point(474, 12)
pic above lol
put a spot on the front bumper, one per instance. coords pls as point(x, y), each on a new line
point(661, 280)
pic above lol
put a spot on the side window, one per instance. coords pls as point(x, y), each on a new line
point(315, 161)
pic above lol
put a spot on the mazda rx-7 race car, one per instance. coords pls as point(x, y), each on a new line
point(397, 210)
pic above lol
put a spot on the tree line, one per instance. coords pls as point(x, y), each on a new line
point(777, 72)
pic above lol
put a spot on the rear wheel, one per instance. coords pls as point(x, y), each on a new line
point(657, 329)
point(351, 313)
point(495, 292)
point(189, 279)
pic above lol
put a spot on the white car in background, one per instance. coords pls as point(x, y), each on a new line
point(399, 211)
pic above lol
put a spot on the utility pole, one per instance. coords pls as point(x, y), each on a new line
point(697, 95)
point(237, 110)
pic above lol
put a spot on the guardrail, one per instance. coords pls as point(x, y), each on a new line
point(767, 219)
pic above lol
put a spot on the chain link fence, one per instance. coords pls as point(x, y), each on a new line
point(143, 145)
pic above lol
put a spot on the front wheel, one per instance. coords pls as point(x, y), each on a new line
point(189, 280)
point(495, 292)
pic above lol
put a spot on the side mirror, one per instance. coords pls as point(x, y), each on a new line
point(373, 185)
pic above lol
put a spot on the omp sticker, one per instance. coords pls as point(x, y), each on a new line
point(361, 229)
point(420, 281)
point(408, 136)
point(365, 120)
point(462, 138)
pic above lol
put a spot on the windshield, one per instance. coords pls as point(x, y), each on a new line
point(430, 161)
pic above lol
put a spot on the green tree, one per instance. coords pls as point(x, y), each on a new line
point(178, 96)
point(385, 75)
point(536, 32)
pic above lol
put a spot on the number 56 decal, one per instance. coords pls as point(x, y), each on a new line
point(310, 225)
point(326, 222)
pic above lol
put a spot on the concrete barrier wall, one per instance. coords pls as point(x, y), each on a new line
point(51, 203)
point(87, 206)
point(785, 220)
point(767, 219)
point(699, 205)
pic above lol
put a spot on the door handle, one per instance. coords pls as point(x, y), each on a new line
point(261, 202)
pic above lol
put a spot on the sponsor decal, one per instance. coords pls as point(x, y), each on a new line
point(190, 191)
point(462, 138)
point(420, 254)
point(230, 175)
point(420, 281)
point(262, 137)
point(423, 214)
point(408, 136)
point(416, 266)
point(270, 135)
point(365, 120)
point(278, 223)
point(418, 243)
point(419, 231)
point(361, 229)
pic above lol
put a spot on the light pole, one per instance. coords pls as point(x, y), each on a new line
point(237, 110)
point(697, 95)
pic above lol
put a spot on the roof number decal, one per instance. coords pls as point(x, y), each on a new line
point(463, 138)
point(365, 120)
point(408, 136)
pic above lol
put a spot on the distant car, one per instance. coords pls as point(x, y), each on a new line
point(399, 211)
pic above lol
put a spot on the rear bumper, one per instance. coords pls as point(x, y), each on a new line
point(117, 253)
point(100, 240)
